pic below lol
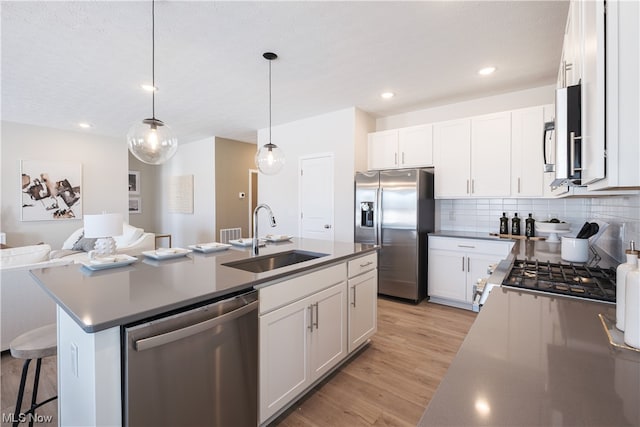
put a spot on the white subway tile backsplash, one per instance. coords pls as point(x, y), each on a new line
point(482, 215)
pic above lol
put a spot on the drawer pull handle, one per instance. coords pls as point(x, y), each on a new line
point(366, 264)
point(466, 246)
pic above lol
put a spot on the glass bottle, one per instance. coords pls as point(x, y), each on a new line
point(529, 227)
point(515, 225)
point(504, 224)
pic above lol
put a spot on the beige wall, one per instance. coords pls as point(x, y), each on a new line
point(148, 219)
point(234, 159)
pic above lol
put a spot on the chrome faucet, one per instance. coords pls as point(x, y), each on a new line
point(272, 220)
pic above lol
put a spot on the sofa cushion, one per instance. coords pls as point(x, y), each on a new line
point(129, 235)
point(73, 239)
point(24, 255)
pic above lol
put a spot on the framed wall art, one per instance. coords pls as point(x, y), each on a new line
point(134, 182)
point(135, 205)
point(50, 190)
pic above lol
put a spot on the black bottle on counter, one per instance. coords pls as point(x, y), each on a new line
point(529, 227)
point(504, 224)
point(515, 225)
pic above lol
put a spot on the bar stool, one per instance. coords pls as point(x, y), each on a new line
point(35, 344)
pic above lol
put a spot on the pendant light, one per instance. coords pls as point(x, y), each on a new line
point(150, 140)
point(270, 158)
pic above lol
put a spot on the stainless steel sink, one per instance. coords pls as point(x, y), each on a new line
point(273, 261)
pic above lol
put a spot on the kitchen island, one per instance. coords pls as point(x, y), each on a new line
point(94, 306)
point(534, 359)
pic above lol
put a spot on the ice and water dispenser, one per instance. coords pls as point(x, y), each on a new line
point(366, 214)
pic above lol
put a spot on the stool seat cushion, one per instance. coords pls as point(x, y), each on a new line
point(35, 344)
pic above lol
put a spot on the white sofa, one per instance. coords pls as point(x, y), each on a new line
point(23, 304)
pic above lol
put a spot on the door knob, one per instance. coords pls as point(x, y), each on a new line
point(327, 226)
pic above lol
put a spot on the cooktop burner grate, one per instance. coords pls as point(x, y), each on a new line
point(568, 279)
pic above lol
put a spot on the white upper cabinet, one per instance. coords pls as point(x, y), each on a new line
point(401, 148)
point(527, 175)
point(452, 148)
point(593, 89)
point(383, 149)
point(473, 157)
point(415, 146)
point(491, 155)
point(622, 101)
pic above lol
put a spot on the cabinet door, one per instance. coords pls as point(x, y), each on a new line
point(452, 141)
point(284, 356)
point(491, 155)
point(447, 275)
point(415, 146)
point(383, 150)
point(476, 266)
point(328, 333)
point(363, 303)
point(527, 173)
point(593, 91)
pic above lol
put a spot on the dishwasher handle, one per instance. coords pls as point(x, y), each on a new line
point(158, 340)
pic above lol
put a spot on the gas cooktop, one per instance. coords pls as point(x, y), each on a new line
point(576, 280)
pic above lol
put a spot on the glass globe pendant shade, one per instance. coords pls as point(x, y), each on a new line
point(151, 141)
point(270, 159)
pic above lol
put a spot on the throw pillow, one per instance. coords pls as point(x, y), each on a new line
point(84, 244)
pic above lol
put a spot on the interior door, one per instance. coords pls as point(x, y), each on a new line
point(316, 197)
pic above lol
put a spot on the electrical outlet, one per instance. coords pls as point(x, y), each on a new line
point(74, 359)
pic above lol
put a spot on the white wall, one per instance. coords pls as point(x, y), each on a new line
point(104, 178)
point(197, 159)
point(492, 104)
point(328, 133)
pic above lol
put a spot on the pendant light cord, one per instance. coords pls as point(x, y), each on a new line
point(153, 58)
point(269, 101)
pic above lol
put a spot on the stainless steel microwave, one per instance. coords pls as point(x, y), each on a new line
point(568, 127)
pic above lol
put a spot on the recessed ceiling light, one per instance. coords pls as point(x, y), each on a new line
point(387, 95)
point(486, 71)
point(85, 125)
point(148, 87)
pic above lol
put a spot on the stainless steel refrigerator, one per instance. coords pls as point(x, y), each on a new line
point(395, 209)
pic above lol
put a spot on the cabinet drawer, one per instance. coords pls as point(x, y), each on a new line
point(471, 246)
point(287, 291)
point(362, 264)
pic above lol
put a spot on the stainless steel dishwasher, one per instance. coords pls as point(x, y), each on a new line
point(194, 368)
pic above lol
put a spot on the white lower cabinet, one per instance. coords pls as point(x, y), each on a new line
point(363, 308)
point(309, 324)
point(455, 265)
point(301, 340)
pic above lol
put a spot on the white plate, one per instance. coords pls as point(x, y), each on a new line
point(118, 261)
point(168, 253)
point(242, 242)
point(277, 237)
point(209, 247)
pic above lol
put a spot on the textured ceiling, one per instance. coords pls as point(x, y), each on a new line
point(69, 61)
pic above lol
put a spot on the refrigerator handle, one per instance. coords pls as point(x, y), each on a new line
point(378, 228)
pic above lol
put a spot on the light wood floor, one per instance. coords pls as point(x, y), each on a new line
point(389, 383)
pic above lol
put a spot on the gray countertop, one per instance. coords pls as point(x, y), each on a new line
point(98, 300)
point(535, 359)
